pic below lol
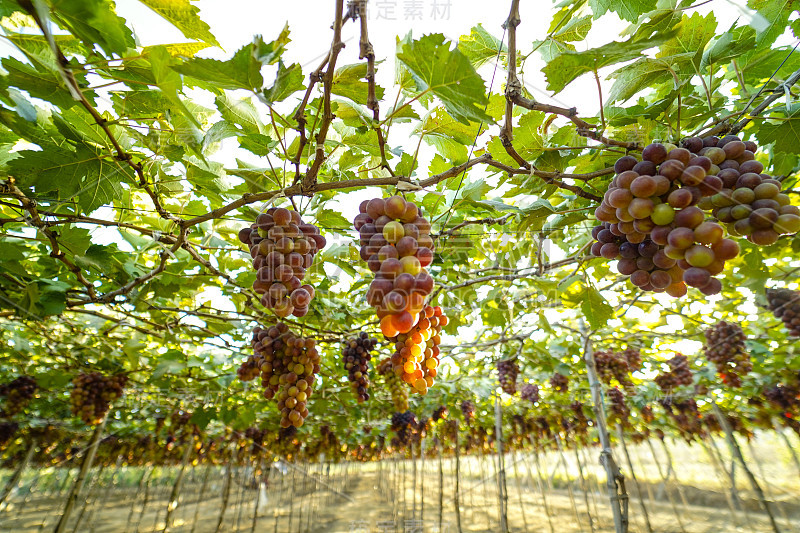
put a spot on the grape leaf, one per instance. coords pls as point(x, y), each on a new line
point(287, 82)
point(568, 65)
point(184, 16)
point(595, 308)
point(446, 73)
point(480, 46)
point(242, 71)
point(94, 22)
point(347, 82)
point(629, 10)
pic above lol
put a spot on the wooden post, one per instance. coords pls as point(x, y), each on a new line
point(12, 483)
point(584, 488)
point(518, 480)
point(569, 484)
point(441, 486)
point(615, 481)
point(737, 453)
point(502, 494)
point(176, 488)
point(86, 464)
point(621, 434)
point(456, 498)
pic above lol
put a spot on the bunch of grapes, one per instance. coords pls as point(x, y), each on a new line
point(685, 414)
point(398, 392)
point(785, 304)
point(648, 416)
point(619, 411)
point(784, 397)
point(725, 348)
point(440, 413)
point(416, 356)
point(679, 374)
point(397, 246)
point(659, 202)
point(530, 392)
point(7, 431)
point(612, 365)
point(507, 371)
point(559, 382)
point(581, 422)
point(283, 248)
point(467, 410)
point(93, 393)
point(17, 393)
point(288, 365)
point(356, 355)
point(404, 424)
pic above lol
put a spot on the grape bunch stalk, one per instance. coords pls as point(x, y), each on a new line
point(18, 393)
point(355, 356)
point(785, 304)
point(398, 392)
point(726, 349)
point(679, 374)
point(507, 372)
point(92, 394)
point(288, 365)
point(397, 246)
point(654, 214)
point(283, 249)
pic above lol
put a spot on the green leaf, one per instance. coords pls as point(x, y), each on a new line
point(184, 16)
point(643, 73)
point(348, 81)
point(693, 34)
point(730, 45)
point(242, 71)
point(595, 308)
point(94, 22)
point(480, 46)
point(169, 81)
point(575, 30)
point(569, 64)
point(448, 74)
point(270, 53)
point(287, 82)
point(629, 10)
point(46, 85)
point(240, 112)
point(784, 133)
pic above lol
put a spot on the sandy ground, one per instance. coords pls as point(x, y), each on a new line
point(390, 498)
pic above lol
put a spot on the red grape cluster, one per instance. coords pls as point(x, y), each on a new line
point(288, 365)
point(397, 246)
point(440, 413)
point(613, 365)
point(559, 382)
point(529, 392)
point(725, 348)
point(750, 202)
point(785, 304)
point(93, 393)
point(398, 392)
point(507, 371)
point(686, 416)
point(416, 356)
point(467, 410)
point(619, 411)
point(679, 374)
point(7, 430)
point(663, 198)
point(648, 416)
point(283, 248)
point(404, 424)
point(17, 393)
point(783, 396)
point(356, 355)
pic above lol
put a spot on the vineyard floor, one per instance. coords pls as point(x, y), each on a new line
point(559, 495)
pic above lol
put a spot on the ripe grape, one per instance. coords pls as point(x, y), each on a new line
point(18, 393)
point(785, 304)
point(356, 354)
point(92, 394)
point(507, 372)
point(726, 349)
